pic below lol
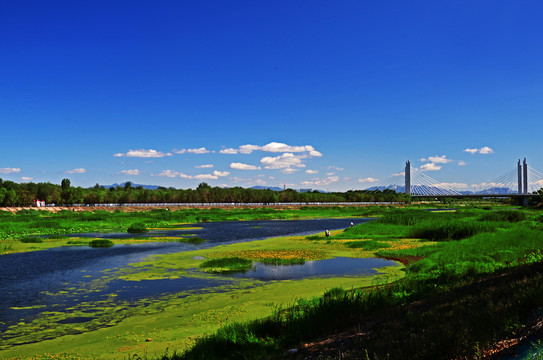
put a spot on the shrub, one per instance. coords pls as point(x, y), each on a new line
point(137, 228)
point(101, 243)
point(503, 215)
point(31, 239)
point(449, 230)
point(192, 240)
point(367, 245)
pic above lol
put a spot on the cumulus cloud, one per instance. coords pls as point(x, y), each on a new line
point(241, 166)
point(273, 147)
point(368, 180)
point(143, 153)
point(76, 171)
point(437, 159)
point(27, 179)
point(229, 151)
point(9, 170)
point(461, 163)
point(321, 182)
point(205, 166)
point(430, 167)
point(332, 167)
point(289, 170)
point(201, 150)
point(214, 176)
point(315, 153)
point(130, 172)
point(284, 161)
point(311, 172)
point(483, 150)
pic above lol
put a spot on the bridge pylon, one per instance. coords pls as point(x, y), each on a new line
point(525, 173)
point(408, 177)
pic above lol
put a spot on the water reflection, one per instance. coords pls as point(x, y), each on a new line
point(320, 268)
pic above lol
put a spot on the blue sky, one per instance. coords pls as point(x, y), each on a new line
point(311, 94)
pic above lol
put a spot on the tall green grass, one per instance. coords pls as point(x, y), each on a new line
point(467, 304)
point(231, 264)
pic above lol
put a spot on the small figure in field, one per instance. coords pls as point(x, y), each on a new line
point(352, 225)
point(327, 233)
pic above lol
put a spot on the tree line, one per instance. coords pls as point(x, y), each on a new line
point(25, 194)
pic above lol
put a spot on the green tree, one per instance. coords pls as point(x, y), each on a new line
point(65, 184)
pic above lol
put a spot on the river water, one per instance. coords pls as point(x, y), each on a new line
point(60, 278)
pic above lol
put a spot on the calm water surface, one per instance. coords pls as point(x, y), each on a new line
point(56, 279)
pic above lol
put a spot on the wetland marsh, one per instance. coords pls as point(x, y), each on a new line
point(470, 278)
point(75, 289)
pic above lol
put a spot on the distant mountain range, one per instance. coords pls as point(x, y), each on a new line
point(148, 187)
point(435, 190)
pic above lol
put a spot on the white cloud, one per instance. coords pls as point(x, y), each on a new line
point(399, 174)
point(368, 180)
point(241, 166)
point(273, 147)
point(214, 176)
point(438, 159)
point(76, 171)
point(430, 167)
point(9, 170)
point(538, 182)
point(332, 167)
point(311, 172)
point(461, 163)
point(284, 161)
point(205, 166)
point(27, 179)
point(330, 173)
point(289, 171)
point(486, 150)
point(280, 147)
point(321, 182)
point(483, 150)
point(201, 150)
point(247, 149)
point(130, 172)
point(315, 153)
point(228, 151)
point(143, 153)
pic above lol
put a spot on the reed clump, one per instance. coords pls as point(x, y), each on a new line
point(226, 264)
point(101, 243)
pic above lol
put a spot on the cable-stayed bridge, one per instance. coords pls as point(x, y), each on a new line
point(522, 181)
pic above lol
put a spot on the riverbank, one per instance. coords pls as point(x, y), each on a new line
point(43, 229)
point(174, 321)
point(476, 288)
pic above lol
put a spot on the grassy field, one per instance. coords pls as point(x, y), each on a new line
point(472, 278)
point(477, 281)
point(50, 227)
